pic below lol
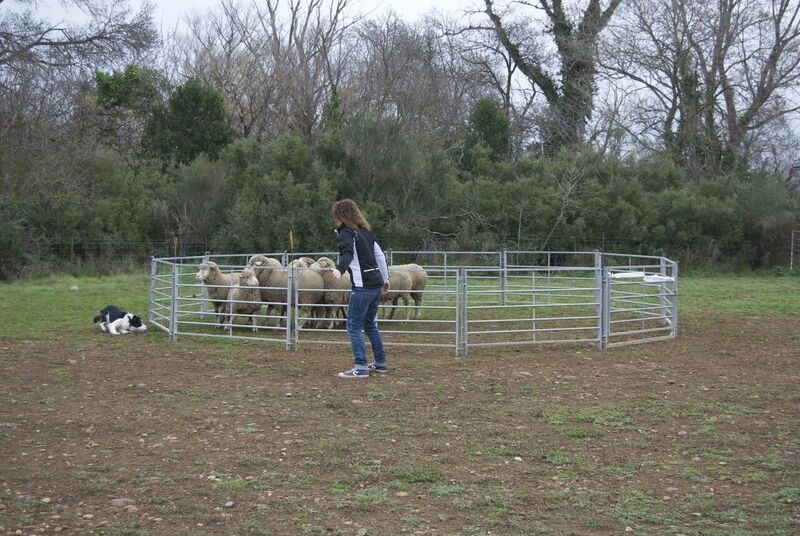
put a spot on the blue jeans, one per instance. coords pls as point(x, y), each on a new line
point(362, 312)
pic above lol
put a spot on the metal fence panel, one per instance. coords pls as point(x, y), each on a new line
point(496, 299)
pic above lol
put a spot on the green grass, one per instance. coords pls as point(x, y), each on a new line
point(585, 464)
point(729, 295)
point(72, 310)
point(414, 475)
point(64, 309)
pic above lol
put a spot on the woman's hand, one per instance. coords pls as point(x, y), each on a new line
point(385, 289)
point(336, 273)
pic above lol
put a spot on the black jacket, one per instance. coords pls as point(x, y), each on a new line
point(361, 255)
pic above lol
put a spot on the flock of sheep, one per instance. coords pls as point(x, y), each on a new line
point(264, 281)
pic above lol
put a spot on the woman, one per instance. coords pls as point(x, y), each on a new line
point(361, 255)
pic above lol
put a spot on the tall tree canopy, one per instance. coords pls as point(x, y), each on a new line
point(570, 93)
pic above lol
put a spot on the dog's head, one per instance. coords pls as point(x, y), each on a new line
point(136, 324)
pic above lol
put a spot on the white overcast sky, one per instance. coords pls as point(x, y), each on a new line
point(168, 13)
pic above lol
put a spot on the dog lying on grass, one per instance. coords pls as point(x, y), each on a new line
point(115, 321)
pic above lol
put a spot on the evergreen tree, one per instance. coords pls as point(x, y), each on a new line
point(192, 123)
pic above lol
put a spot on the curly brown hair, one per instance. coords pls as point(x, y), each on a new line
point(346, 212)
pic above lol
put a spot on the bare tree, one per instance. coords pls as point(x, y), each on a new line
point(712, 75)
point(112, 32)
point(570, 92)
point(414, 74)
point(499, 77)
point(273, 61)
point(44, 69)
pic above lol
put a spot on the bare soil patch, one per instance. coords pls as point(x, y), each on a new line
point(135, 435)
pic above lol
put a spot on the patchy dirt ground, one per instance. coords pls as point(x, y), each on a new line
point(137, 436)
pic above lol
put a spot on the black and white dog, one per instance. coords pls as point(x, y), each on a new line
point(115, 321)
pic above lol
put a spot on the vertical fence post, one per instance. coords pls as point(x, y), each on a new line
point(445, 271)
point(598, 296)
point(390, 256)
point(289, 311)
point(173, 309)
point(153, 277)
point(533, 304)
point(504, 276)
point(461, 311)
point(457, 301)
point(605, 315)
point(204, 293)
point(674, 312)
point(662, 290)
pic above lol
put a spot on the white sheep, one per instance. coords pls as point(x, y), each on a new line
point(245, 298)
point(310, 291)
point(273, 279)
point(302, 262)
point(218, 286)
point(399, 287)
point(273, 297)
point(419, 278)
point(337, 291)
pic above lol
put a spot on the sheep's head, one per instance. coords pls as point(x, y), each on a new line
point(262, 261)
point(205, 271)
point(324, 263)
point(248, 278)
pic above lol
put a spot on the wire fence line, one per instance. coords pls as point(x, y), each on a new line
point(471, 300)
point(80, 253)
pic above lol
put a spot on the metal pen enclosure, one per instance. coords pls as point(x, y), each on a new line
point(471, 300)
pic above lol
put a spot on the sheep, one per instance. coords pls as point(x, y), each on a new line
point(302, 262)
point(337, 291)
point(273, 278)
point(273, 297)
point(400, 284)
point(419, 278)
point(310, 291)
point(218, 285)
point(244, 298)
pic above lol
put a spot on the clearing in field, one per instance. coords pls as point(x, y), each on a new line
point(134, 435)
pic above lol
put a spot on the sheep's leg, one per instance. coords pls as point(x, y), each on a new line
point(270, 312)
point(338, 310)
point(328, 316)
point(405, 304)
point(220, 310)
point(231, 316)
point(320, 315)
point(309, 314)
point(395, 299)
point(417, 305)
point(280, 311)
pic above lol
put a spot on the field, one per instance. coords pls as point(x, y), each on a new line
point(135, 435)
